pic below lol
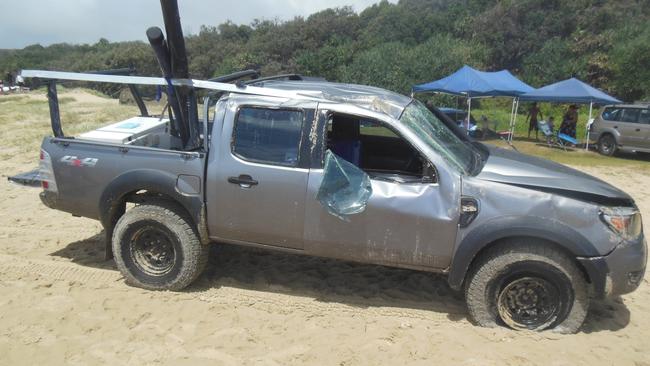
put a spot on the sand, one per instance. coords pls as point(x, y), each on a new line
point(61, 303)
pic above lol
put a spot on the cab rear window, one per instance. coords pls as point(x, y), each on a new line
point(268, 135)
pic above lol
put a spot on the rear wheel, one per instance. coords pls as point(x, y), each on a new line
point(527, 286)
point(156, 248)
point(607, 145)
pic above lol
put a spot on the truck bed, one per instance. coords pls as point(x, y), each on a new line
point(91, 175)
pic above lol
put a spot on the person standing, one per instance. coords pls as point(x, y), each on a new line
point(532, 118)
point(569, 121)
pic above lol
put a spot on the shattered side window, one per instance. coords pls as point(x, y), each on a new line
point(345, 189)
point(438, 136)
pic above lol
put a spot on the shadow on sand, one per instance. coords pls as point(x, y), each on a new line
point(329, 280)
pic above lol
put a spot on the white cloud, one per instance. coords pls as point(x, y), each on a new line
point(25, 22)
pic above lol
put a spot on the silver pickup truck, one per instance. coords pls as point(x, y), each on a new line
point(363, 174)
point(349, 172)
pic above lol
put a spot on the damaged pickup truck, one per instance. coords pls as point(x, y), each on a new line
point(341, 171)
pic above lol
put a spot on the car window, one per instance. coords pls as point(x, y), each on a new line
point(644, 117)
point(611, 114)
point(268, 135)
point(630, 115)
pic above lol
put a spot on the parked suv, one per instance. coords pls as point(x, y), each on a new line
point(622, 128)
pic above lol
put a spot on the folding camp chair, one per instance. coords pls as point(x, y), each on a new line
point(560, 140)
point(564, 139)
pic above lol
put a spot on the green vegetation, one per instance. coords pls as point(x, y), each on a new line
point(603, 42)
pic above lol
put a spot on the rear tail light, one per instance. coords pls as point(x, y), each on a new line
point(45, 172)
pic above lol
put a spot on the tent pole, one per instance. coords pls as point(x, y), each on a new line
point(591, 106)
point(514, 121)
point(512, 116)
point(469, 112)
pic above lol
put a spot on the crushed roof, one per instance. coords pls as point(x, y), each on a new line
point(368, 97)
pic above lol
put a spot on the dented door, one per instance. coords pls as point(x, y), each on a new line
point(397, 224)
point(401, 225)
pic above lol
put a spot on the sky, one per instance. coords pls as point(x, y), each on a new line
point(26, 22)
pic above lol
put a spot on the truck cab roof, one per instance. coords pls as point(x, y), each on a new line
point(368, 97)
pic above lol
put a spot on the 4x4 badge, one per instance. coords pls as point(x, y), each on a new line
point(74, 161)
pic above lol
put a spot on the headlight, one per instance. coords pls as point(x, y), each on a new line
point(624, 221)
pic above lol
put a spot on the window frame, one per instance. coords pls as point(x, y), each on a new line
point(301, 141)
point(647, 110)
point(326, 116)
point(636, 121)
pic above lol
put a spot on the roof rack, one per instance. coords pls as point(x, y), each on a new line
point(143, 80)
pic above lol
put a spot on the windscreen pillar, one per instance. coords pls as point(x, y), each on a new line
point(55, 116)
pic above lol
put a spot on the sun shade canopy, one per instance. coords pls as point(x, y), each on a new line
point(569, 91)
point(473, 83)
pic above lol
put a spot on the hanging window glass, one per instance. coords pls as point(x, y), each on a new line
point(345, 189)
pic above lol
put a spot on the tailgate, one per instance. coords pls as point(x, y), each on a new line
point(31, 178)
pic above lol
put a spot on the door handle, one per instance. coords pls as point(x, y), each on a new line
point(244, 181)
point(615, 126)
point(638, 130)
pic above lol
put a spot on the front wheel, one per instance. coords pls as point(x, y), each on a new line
point(527, 286)
point(156, 248)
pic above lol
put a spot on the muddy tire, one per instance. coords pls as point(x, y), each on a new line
point(607, 145)
point(156, 247)
point(527, 286)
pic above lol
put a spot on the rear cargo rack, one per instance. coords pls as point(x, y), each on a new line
point(145, 80)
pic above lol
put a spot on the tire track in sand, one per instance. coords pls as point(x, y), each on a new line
point(14, 267)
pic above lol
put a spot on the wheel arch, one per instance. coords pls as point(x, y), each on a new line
point(613, 133)
point(141, 185)
point(488, 235)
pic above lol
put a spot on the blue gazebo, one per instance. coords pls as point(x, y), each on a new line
point(471, 83)
point(571, 91)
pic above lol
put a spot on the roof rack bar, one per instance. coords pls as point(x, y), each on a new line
point(276, 77)
point(143, 80)
point(236, 76)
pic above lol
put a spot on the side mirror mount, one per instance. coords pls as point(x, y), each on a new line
point(429, 174)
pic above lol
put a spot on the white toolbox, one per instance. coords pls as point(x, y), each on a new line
point(127, 131)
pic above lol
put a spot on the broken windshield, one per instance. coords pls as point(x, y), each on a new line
point(440, 139)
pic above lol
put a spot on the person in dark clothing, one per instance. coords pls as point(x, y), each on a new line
point(569, 121)
point(532, 118)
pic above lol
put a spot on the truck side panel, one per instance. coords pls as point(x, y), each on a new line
point(91, 177)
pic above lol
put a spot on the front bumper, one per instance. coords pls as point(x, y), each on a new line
point(619, 272)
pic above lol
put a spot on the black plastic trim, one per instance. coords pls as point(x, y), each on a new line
point(508, 227)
